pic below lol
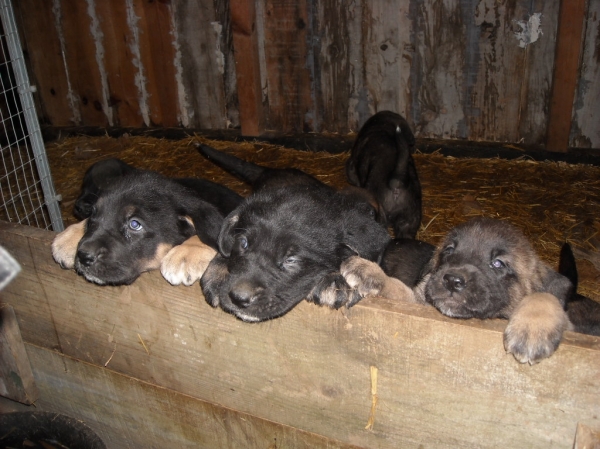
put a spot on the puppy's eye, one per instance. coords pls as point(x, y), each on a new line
point(497, 263)
point(135, 225)
point(290, 263)
point(242, 242)
point(448, 250)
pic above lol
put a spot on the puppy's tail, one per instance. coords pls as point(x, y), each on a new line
point(405, 141)
point(567, 265)
point(246, 171)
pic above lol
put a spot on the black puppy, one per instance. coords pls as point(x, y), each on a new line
point(286, 244)
point(583, 312)
point(381, 162)
point(407, 260)
point(97, 177)
point(140, 222)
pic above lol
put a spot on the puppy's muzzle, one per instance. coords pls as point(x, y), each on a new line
point(244, 294)
point(454, 282)
point(89, 256)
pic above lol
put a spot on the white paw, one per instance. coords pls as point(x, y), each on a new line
point(64, 245)
point(186, 263)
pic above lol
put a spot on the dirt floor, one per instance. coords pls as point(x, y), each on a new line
point(551, 202)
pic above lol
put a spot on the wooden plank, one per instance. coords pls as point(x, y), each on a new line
point(84, 72)
point(16, 378)
point(201, 64)
point(42, 44)
point(247, 65)
point(119, 64)
point(128, 413)
point(154, 23)
point(291, 107)
point(566, 68)
point(311, 368)
point(585, 132)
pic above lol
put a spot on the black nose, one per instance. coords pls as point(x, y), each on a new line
point(88, 255)
point(244, 294)
point(454, 283)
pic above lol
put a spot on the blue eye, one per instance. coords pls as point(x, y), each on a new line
point(243, 242)
point(497, 263)
point(135, 225)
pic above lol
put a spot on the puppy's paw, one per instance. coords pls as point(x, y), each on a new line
point(186, 263)
point(64, 245)
point(535, 328)
point(368, 279)
point(214, 280)
point(333, 291)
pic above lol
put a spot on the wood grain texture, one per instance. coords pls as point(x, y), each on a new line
point(119, 64)
point(16, 378)
point(247, 60)
point(311, 369)
point(566, 66)
point(289, 66)
point(201, 65)
point(585, 130)
point(47, 70)
point(128, 413)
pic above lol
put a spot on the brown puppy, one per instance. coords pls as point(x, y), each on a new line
point(484, 268)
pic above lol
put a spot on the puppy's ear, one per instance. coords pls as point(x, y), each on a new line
point(558, 285)
point(227, 236)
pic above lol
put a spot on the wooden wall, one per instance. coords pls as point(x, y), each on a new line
point(481, 70)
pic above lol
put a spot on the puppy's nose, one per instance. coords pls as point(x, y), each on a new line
point(89, 256)
point(243, 294)
point(454, 283)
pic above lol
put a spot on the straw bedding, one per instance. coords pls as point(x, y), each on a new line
point(551, 202)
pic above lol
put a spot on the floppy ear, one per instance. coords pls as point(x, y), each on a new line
point(226, 236)
point(557, 285)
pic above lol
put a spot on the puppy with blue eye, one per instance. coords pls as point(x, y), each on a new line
point(484, 268)
point(145, 221)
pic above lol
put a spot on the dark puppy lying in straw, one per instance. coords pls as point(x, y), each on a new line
point(143, 221)
point(583, 312)
point(484, 268)
point(381, 162)
point(286, 242)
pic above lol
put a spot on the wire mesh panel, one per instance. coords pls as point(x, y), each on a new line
point(27, 192)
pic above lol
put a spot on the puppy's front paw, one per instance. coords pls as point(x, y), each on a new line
point(64, 245)
point(214, 280)
point(186, 263)
point(535, 328)
point(333, 291)
point(369, 280)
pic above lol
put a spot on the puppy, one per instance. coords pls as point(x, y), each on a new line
point(583, 312)
point(285, 244)
point(97, 177)
point(381, 161)
point(484, 268)
point(140, 222)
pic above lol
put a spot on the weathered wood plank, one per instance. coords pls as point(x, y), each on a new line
point(154, 23)
point(311, 368)
point(586, 438)
point(288, 65)
point(200, 65)
point(16, 378)
point(42, 44)
point(245, 42)
point(84, 71)
point(128, 413)
point(585, 131)
point(119, 64)
point(566, 71)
